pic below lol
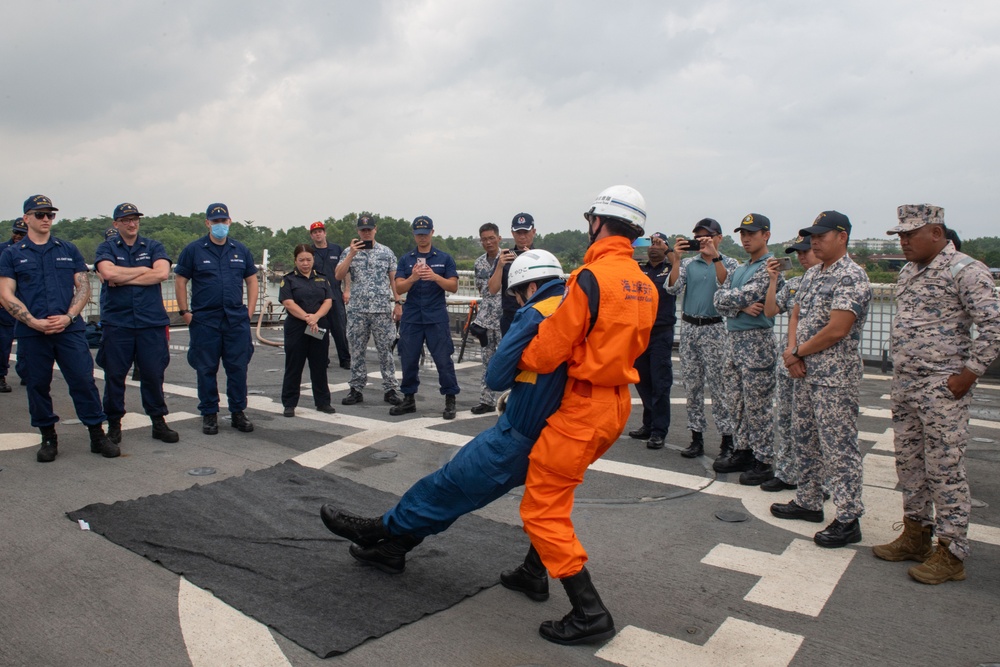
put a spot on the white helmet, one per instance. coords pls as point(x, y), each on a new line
point(530, 266)
point(622, 202)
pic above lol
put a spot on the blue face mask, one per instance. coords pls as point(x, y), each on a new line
point(220, 230)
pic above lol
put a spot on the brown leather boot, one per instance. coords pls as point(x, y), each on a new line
point(942, 566)
point(914, 544)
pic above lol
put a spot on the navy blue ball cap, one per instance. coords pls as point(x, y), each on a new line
point(828, 221)
point(19, 227)
point(38, 202)
point(522, 222)
point(709, 225)
point(217, 212)
point(422, 225)
point(801, 244)
point(125, 210)
point(754, 222)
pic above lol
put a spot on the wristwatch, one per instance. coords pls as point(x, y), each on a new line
point(716, 259)
point(72, 318)
point(795, 352)
point(182, 313)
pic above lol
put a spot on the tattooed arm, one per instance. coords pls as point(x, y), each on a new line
point(16, 308)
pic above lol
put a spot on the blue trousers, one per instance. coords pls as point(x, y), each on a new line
point(656, 377)
point(487, 467)
point(6, 344)
point(231, 345)
point(122, 347)
point(438, 338)
point(70, 351)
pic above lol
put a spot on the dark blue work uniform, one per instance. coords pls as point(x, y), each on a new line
point(133, 328)
point(7, 323)
point(45, 276)
point(220, 325)
point(496, 460)
point(326, 260)
point(309, 295)
point(656, 372)
point(425, 320)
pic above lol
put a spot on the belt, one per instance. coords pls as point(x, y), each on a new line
point(587, 389)
point(700, 321)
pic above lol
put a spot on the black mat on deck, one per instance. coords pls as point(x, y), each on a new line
point(257, 542)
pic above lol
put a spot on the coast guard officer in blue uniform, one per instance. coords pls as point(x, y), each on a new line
point(17, 232)
point(44, 285)
point(217, 268)
point(133, 320)
point(424, 275)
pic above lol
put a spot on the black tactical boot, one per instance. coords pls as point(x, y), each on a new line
point(115, 430)
point(449, 407)
point(588, 622)
point(163, 432)
point(4, 387)
point(210, 424)
point(50, 445)
point(101, 444)
point(241, 422)
point(529, 577)
point(697, 447)
point(391, 397)
point(389, 555)
point(363, 531)
point(353, 397)
point(409, 404)
point(739, 461)
point(758, 473)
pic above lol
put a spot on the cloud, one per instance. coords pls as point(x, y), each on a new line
point(473, 111)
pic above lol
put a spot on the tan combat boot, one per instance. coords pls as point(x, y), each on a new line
point(913, 544)
point(942, 566)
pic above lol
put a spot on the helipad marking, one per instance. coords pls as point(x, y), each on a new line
point(740, 641)
point(801, 579)
point(216, 635)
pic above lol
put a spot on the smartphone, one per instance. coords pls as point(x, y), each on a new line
point(320, 332)
point(784, 263)
point(367, 245)
point(421, 260)
point(694, 245)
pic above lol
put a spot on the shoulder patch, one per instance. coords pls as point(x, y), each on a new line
point(547, 306)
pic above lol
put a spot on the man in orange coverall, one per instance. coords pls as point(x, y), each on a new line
point(599, 329)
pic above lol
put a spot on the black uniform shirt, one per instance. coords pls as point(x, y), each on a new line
point(307, 293)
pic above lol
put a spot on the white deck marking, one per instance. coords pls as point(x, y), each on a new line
point(756, 646)
point(801, 579)
point(216, 635)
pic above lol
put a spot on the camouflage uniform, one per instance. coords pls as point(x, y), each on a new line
point(786, 466)
point(703, 349)
point(825, 423)
point(936, 307)
point(488, 317)
point(369, 314)
point(750, 365)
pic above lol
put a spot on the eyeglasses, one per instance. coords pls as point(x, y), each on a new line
point(41, 215)
point(128, 221)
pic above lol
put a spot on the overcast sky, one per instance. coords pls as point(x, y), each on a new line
point(471, 111)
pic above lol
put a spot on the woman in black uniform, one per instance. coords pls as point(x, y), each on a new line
point(306, 296)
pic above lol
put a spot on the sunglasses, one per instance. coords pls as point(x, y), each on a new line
point(41, 215)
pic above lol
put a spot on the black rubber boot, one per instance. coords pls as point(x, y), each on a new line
point(529, 577)
point(409, 404)
point(589, 621)
point(163, 432)
point(697, 447)
point(115, 430)
point(101, 444)
point(363, 531)
point(449, 407)
point(389, 555)
point(50, 445)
